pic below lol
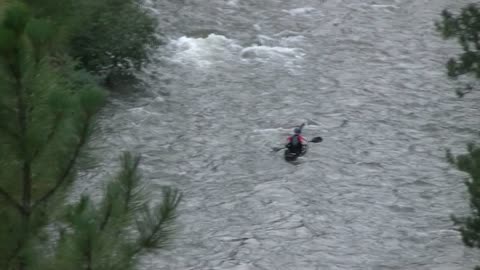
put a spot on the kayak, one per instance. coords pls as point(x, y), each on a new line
point(292, 156)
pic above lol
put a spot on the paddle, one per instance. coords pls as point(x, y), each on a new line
point(301, 126)
point(314, 140)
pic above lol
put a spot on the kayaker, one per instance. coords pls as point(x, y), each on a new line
point(296, 143)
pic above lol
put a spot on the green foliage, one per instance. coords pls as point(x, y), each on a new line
point(41, 33)
point(112, 36)
point(466, 28)
point(91, 100)
point(16, 17)
point(470, 163)
point(108, 37)
point(7, 39)
point(155, 225)
point(42, 123)
point(91, 236)
point(47, 107)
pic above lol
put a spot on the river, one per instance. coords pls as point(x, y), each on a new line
point(232, 80)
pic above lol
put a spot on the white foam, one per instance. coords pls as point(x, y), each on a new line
point(390, 8)
point(159, 99)
point(299, 11)
point(267, 51)
point(215, 48)
point(270, 130)
point(203, 51)
point(232, 3)
point(287, 33)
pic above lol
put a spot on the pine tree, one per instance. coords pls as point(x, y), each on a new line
point(89, 238)
point(47, 109)
point(470, 226)
point(44, 122)
point(465, 27)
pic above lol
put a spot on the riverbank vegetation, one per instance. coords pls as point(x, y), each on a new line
point(53, 55)
point(108, 38)
point(465, 27)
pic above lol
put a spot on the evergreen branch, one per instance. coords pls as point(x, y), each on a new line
point(50, 136)
point(5, 129)
point(155, 228)
point(63, 177)
point(9, 132)
point(12, 201)
point(107, 216)
point(22, 117)
point(127, 180)
point(14, 254)
point(88, 254)
point(130, 178)
point(7, 109)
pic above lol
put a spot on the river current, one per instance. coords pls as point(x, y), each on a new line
point(231, 81)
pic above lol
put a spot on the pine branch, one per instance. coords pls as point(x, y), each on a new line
point(12, 201)
point(9, 132)
point(50, 136)
point(5, 129)
point(8, 109)
point(123, 188)
point(107, 216)
point(63, 177)
point(130, 180)
point(155, 228)
point(88, 255)
point(22, 117)
point(14, 254)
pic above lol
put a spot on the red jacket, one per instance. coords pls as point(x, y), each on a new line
point(300, 138)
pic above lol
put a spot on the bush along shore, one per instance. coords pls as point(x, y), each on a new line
point(465, 28)
point(53, 54)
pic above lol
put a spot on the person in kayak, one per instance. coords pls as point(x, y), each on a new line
point(296, 143)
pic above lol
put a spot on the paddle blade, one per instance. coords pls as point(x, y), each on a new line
point(316, 140)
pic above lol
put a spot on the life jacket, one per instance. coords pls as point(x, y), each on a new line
point(296, 139)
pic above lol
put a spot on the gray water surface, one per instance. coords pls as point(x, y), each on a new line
point(234, 78)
